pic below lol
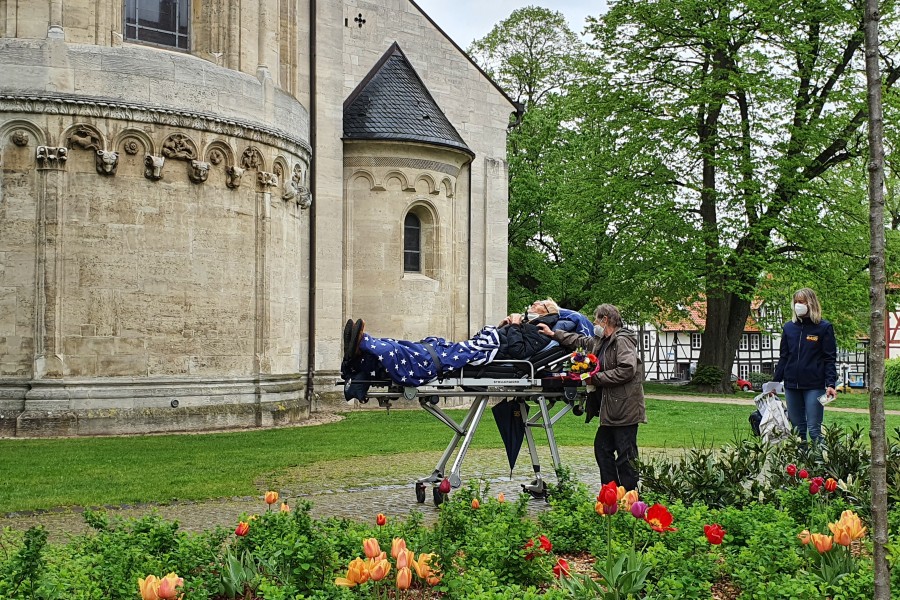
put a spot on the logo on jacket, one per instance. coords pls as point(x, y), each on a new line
point(812, 338)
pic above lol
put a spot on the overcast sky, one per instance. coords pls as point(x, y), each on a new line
point(468, 20)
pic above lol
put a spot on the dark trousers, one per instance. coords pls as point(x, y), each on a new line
point(615, 448)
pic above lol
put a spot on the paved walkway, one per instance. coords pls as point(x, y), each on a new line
point(330, 495)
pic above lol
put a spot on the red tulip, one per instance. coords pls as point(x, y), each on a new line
point(561, 569)
point(609, 493)
point(830, 485)
point(659, 518)
point(380, 519)
point(444, 488)
point(791, 469)
point(528, 546)
point(546, 546)
point(813, 488)
point(242, 529)
point(819, 481)
point(803, 474)
point(714, 533)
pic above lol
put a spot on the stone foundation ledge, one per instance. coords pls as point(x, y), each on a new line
point(116, 406)
point(329, 397)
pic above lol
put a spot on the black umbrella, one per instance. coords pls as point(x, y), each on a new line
point(508, 416)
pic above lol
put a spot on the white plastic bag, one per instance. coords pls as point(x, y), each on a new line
point(775, 426)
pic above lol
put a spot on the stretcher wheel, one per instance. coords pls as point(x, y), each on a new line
point(537, 489)
point(577, 410)
point(438, 496)
point(420, 493)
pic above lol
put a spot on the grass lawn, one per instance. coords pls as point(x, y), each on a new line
point(123, 470)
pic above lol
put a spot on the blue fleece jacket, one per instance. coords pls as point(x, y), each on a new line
point(808, 355)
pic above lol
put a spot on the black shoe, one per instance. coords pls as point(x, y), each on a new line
point(347, 346)
point(356, 337)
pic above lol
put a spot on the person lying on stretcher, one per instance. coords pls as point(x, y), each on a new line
point(408, 363)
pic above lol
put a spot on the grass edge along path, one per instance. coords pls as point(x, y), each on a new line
point(42, 474)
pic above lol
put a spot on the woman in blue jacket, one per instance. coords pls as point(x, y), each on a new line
point(806, 364)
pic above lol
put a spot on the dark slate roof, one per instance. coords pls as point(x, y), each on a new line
point(392, 103)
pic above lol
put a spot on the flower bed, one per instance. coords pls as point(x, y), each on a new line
point(803, 535)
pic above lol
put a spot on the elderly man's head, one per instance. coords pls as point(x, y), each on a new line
point(544, 307)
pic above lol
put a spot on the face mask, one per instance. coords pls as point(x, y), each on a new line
point(801, 309)
point(598, 330)
point(532, 316)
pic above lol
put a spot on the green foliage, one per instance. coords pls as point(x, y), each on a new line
point(757, 378)
point(707, 375)
point(892, 376)
point(21, 575)
point(571, 524)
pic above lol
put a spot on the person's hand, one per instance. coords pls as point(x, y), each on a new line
point(830, 392)
point(542, 327)
point(515, 319)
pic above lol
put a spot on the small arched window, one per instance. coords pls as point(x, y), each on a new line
point(412, 244)
point(161, 22)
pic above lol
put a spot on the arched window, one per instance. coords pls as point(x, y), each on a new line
point(412, 244)
point(162, 22)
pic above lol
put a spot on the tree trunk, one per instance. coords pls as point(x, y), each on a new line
point(876, 329)
point(726, 316)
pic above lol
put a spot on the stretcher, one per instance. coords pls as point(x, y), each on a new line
point(537, 381)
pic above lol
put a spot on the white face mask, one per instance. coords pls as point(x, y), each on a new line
point(532, 316)
point(801, 309)
point(598, 330)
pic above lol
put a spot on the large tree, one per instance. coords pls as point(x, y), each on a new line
point(740, 110)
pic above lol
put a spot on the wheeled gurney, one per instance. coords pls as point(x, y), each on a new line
point(536, 380)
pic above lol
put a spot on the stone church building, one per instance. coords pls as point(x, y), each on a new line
point(196, 194)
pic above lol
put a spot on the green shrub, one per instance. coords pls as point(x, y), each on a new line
point(758, 378)
point(707, 375)
point(892, 376)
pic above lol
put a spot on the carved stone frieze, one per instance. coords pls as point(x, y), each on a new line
point(107, 162)
point(216, 156)
point(266, 179)
point(233, 177)
point(19, 138)
point(252, 158)
point(86, 106)
point(179, 147)
point(50, 157)
point(198, 172)
point(296, 190)
point(153, 167)
point(131, 146)
point(86, 138)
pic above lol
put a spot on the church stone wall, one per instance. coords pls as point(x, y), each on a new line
point(154, 231)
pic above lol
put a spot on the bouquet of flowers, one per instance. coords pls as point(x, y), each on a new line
point(581, 365)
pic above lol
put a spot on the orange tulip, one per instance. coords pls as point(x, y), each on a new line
point(242, 529)
point(371, 547)
point(357, 573)
point(840, 534)
point(433, 580)
point(620, 492)
point(285, 507)
point(475, 503)
point(852, 523)
point(149, 585)
point(803, 536)
point(168, 585)
point(397, 545)
point(379, 569)
point(271, 498)
point(823, 543)
point(501, 497)
point(630, 497)
point(380, 520)
point(406, 558)
point(404, 578)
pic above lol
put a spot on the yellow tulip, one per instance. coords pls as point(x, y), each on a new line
point(803, 536)
point(620, 492)
point(167, 587)
point(149, 585)
point(852, 523)
point(358, 571)
point(840, 533)
point(404, 578)
point(271, 498)
point(371, 547)
point(422, 566)
point(823, 543)
point(378, 570)
point(285, 507)
point(397, 545)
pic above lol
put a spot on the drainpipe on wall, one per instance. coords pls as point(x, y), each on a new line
point(311, 319)
point(469, 258)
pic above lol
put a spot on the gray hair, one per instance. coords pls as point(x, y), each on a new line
point(610, 312)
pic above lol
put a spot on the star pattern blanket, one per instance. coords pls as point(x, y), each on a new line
point(410, 363)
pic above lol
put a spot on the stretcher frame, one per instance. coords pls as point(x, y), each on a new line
point(519, 389)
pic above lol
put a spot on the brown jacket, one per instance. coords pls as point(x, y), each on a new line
point(620, 380)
